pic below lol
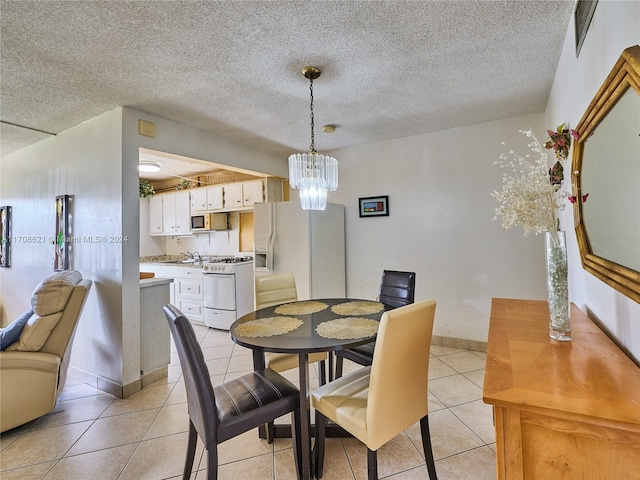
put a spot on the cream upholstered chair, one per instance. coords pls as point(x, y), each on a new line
point(277, 289)
point(33, 370)
point(378, 402)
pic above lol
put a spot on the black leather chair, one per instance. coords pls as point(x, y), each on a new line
point(217, 414)
point(397, 289)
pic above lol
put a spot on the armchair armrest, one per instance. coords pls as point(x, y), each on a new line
point(44, 362)
point(28, 386)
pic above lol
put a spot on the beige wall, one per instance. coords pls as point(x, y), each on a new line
point(439, 187)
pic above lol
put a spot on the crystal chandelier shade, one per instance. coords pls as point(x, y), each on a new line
point(313, 173)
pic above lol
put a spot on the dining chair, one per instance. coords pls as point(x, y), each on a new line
point(276, 289)
point(397, 289)
point(219, 413)
point(378, 402)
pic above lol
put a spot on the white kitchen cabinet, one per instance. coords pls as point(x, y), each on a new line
point(233, 196)
point(252, 192)
point(155, 215)
point(176, 214)
point(242, 195)
point(198, 200)
point(186, 291)
point(215, 198)
point(206, 199)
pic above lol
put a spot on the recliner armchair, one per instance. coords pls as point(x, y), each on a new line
point(33, 370)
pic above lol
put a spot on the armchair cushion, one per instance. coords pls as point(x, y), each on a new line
point(11, 333)
point(52, 294)
point(35, 333)
point(48, 301)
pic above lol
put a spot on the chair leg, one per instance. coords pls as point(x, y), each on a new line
point(296, 439)
point(323, 372)
point(318, 448)
point(372, 465)
point(426, 445)
point(270, 431)
point(212, 465)
point(339, 361)
point(191, 451)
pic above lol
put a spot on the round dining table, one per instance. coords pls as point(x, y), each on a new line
point(282, 329)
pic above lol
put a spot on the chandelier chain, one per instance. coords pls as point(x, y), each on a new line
point(313, 141)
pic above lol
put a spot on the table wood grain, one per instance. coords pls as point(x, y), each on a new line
point(562, 409)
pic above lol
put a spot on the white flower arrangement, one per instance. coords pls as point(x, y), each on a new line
point(531, 196)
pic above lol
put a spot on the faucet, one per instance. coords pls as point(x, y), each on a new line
point(188, 254)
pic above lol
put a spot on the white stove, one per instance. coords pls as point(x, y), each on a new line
point(227, 284)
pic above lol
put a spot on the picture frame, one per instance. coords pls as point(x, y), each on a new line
point(5, 236)
point(61, 239)
point(374, 206)
point(582, 16)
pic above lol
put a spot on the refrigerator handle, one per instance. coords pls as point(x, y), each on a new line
point(270, 250)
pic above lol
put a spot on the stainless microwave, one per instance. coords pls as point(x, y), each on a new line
point(209, 221)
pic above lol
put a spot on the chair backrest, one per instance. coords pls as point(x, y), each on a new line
point(275, 289)
point(397, 289)
point(200, 397)
point(399, 372)
point(60, 339)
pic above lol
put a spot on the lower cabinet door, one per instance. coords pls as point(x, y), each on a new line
point(191, 309)
point(220, 319)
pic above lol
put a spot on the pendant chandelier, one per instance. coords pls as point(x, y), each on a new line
point(313, 173)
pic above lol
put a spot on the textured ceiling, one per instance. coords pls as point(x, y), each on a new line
point(390, 69)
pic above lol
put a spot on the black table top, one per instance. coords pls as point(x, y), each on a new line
point(303, 339)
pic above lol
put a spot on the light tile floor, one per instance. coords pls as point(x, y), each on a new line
point(93, 435)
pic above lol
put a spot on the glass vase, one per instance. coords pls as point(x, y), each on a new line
point(557, 285)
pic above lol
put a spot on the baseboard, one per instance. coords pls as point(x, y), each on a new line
point(463, 343)
point(155, 375)
point(109, 386)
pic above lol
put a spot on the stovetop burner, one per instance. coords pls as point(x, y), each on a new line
point(231, 259)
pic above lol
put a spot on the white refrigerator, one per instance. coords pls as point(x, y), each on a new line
point(308, 243)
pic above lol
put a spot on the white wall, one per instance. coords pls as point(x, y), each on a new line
point(85, 162)
point(615, 26)
point(439, 187)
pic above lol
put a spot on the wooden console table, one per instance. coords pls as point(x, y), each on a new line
point(562, 410)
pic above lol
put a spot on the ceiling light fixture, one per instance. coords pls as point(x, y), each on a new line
point(313, 173)
point(148, 166)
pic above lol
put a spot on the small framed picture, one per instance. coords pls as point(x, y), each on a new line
point(374, 206)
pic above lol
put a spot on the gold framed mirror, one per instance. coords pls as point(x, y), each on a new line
point(606, 179)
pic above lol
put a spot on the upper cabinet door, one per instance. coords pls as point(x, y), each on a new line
point(169, 213)
point(253, 192)
point(199, 200)
point(155, 215)
point(182, 213)
point(233, 195)
point(214, 198)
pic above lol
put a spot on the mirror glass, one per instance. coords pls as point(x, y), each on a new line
point(606, 179)
point(611, 177)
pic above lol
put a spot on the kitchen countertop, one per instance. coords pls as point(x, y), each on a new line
point(154, 281)
point(172, 264)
